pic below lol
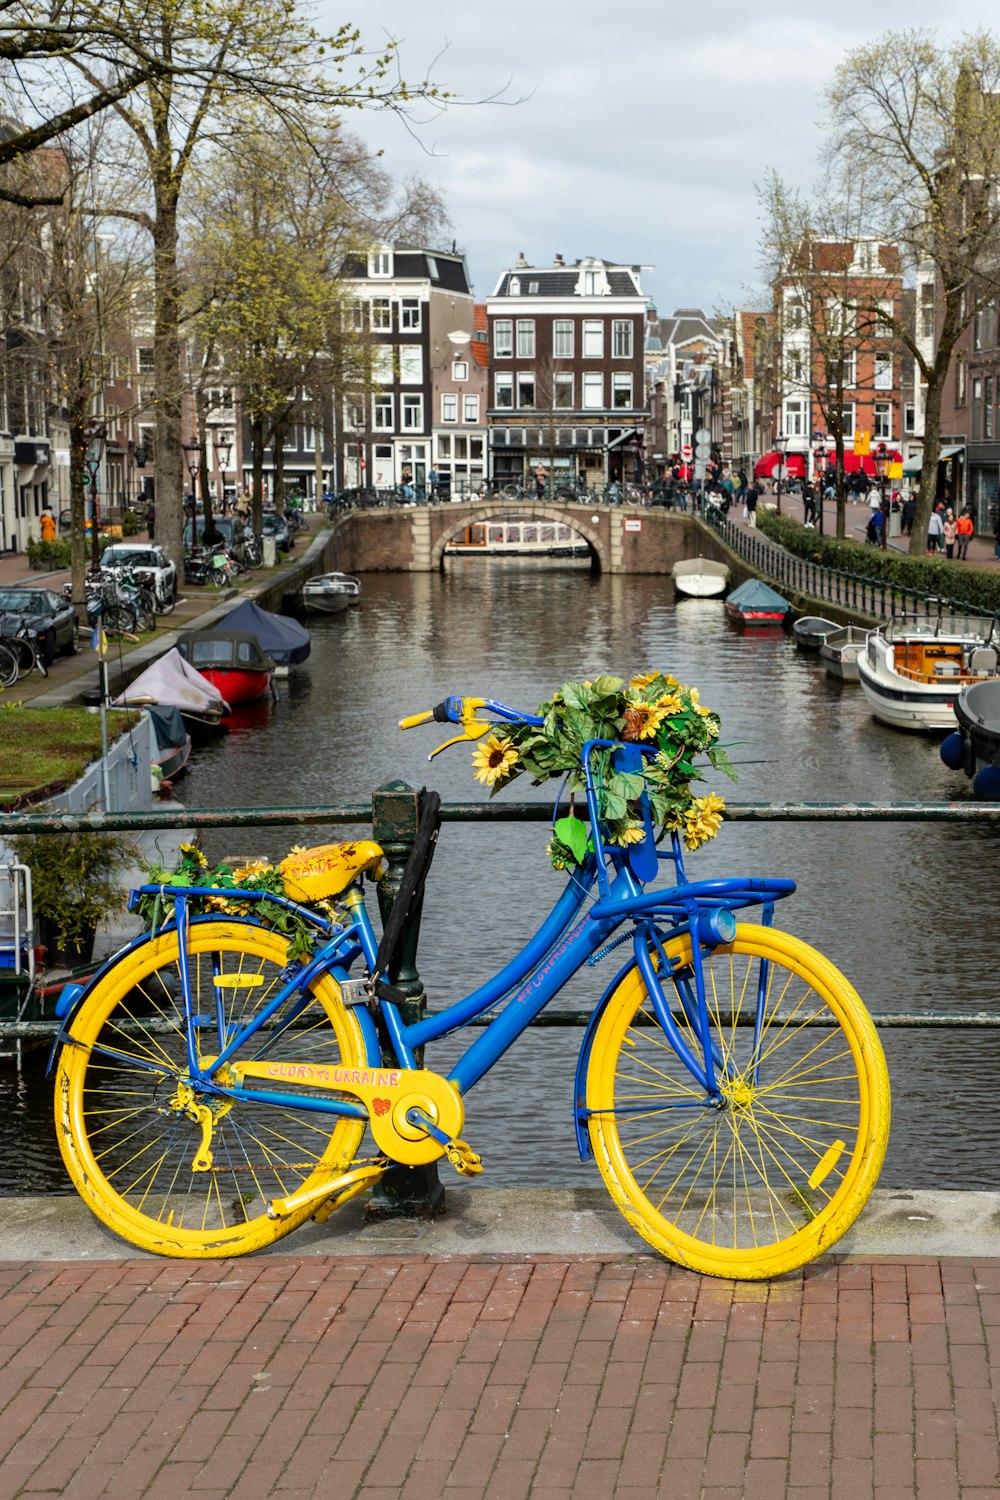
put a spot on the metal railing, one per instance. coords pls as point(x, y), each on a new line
point(879, 598)
point(395, 496)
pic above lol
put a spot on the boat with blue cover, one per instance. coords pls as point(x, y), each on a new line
point(756, 603)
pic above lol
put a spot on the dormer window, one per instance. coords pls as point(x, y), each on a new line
point(592, 280)
point(380, 261)
point(515, 286)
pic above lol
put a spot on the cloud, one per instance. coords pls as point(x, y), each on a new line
point(636, 133)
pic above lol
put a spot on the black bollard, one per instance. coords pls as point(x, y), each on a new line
point(404, 1192)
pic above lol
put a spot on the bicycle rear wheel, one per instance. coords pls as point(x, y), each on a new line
point(9, 666)
point(772, 1176)
point(127, 1123)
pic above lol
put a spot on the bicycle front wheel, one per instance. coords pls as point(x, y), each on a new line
point(131, 1129)
point(9, 666)
point(771, 1175)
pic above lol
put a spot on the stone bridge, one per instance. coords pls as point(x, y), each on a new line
point(622, 539)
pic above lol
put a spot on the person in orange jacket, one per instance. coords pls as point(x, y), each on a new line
point(47, 524)
point(964, 528)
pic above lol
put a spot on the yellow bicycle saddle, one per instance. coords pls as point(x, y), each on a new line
point(314, 874)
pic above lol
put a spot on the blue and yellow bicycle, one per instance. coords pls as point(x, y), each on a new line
point(216, 1083)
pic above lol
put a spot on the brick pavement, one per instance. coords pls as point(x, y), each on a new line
point(496, 1378)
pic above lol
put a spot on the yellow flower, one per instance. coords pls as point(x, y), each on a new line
point(252, 867)
point(670, 705)
point(633, 833)
point(642, 720)
point(643, 679)
point(493, 759)
point(698, 706)
point(703, 820)
point(195, 853)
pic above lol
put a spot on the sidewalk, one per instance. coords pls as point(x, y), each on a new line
point(982, 552)
point(498, 1376)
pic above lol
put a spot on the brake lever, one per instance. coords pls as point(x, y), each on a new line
point(474, 730)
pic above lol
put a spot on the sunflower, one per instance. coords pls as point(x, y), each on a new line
point(493, 759)
point(642, 720)
point(632, 833)
point(699, 707)
point(191, 851)
point(702, 820)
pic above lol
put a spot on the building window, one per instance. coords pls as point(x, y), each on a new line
point(383, 420)
point(504, 390)
point(961, 381)
point(460, 370)
point(795, 313)
point(977, 331)
point(562, 391)
point(590, 283)
point(988, 407)
point(409, 314)
point(525, 338)
point(413, 413)
point(411, 364)
point(909, 417)
point(593, 338)
point(144, 361)
point(354, 414)
point(525, 390)
point(927, 311)
point(883, 372)
point(847, 421)
point(354, 314)
point(562, 338)
point(621, 338)
point(795, 418)
point(470, 409)
point(621, 391)
point(503, 338)
point(380, 263)
point(593, 390)
point(883, 420)
point(449, 407)
point(381, 314)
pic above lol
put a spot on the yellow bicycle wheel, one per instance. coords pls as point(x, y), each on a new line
point(772, 1175)
point(131, 1130)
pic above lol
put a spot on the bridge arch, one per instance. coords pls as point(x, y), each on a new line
point(579, 517)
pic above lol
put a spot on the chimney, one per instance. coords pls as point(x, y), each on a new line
point(559, 260)
point(521, 262)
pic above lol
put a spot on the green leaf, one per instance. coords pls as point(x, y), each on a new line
point(573, 833)
point(720, 760)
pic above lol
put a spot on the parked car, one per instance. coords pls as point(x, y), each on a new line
point(143, 557)
point(274, 525)
point(51, 619)
point(230, 528)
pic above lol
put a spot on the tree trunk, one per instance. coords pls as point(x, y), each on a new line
point(78, 503)
point(928, 469)
point(256, 423)
point(167, 359)
point(201, 411)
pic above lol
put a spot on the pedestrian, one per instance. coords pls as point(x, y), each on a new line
point(433, 480)
point(753, 495)
point(47, 522)
point(909, 511)
point(243, 505)
point(406, 483)
point(873, 531)
point(540, 481)
point(809, 504)
point(150, 521)
point(949, 531)
point(935, 531)
point(964, 528)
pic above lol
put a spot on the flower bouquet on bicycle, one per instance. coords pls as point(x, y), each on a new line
point(217, 1079)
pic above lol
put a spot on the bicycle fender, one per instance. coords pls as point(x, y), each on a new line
point(583, 1062)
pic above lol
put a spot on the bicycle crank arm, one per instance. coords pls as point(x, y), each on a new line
point(327, 1196)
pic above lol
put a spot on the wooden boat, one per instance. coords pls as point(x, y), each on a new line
point(328, 593)
point(172, 683)
point(839, 651)
point(912, 674)
point(232, 660)
point(810, 631)
point(518, 539)
point(756, 604)
point(700, 577)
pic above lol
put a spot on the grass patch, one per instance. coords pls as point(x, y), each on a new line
point(45, 747)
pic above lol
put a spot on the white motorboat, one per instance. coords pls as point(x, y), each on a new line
point(912, 672)
point(700, 577)
point(328, 593)
point(840, 650)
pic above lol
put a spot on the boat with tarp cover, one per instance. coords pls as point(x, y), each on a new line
point(755, 603)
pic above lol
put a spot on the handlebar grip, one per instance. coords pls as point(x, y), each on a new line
point(412, 720)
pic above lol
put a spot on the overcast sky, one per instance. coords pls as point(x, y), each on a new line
point(641, 128)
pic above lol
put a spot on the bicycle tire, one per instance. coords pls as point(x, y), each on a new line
point(129, 1149)
point(697, 1183)
point(9, 667)
point(165, 604)
point(120, 618)
point(26, 658)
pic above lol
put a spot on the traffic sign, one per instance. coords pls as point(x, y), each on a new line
point(702, 451)
point(686, 451)
point(703, 435)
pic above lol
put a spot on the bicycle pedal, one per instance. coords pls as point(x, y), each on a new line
point(463, 1158)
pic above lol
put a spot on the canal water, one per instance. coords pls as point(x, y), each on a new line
point(907, 911)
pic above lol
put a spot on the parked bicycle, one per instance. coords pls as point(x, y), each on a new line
point(216, 1079)
point(211, 567)
point(19, 639)
point(105, 607)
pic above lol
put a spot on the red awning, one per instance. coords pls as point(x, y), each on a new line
point(853, 461)
point(795, 465)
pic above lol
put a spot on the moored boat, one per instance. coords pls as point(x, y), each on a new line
point(529, 538)
point(810, 631)
point(328, 593)
point(232, 660)
point(912, 674)
point(839, 651)
point(285, 641)
point(700, 577)
point(172, 683)
point(975, 746)
point(755, 604)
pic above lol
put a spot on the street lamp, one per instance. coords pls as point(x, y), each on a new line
point(821, 457)
point(223, 450)
point(193, 451)
point(880, 458)
point(96, 438)
point(780, 444)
